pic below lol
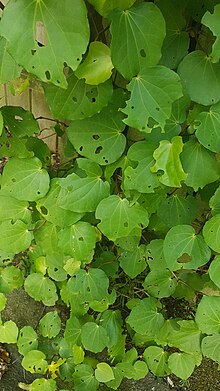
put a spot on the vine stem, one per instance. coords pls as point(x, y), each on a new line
point(53, 120)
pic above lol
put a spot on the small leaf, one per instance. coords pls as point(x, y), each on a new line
point(167, 159)
point(27, 340)
point(50, 325)
point(94, 337)
point(160, 283)
point(177, 210)
point(212, 21)
point(211, 347)
point(15, 237)
point(214, 271)
point(72, 331)
point(182, 364)
point(3, 301)
point(208, 315)
point(34, 362)
point(78, 354)
point(8, 332)
point(211, 233)
point(104, 373)
point(84, 378)
point(41, 288)
point(91, 284)
point(144, 317)
point(156, 359)
point(10, 278)
point(97, 66)
point(133, 262)
point(207, 124)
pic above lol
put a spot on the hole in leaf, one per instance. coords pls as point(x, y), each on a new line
point(33, 51)
point(18, 118)
point(74, 99)
point(81, 239)
point(38, 192)
point(132, 107)
point(157, 108)
point(47, 74)
point(81, 148)
point(95, 136)
point(7, 144)
point(142, 53)
point(44, 210)
point(92, 94)
point(126, 224)
point(184, 258)
point(40, 33)
point(13, 180)
point(98, 150)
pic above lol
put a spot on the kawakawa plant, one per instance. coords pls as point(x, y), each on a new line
point(127, 222)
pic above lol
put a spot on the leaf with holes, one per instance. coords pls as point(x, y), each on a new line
point(145, 318)
point(160, 283)
point(41, 288)
point(183, 249)
point(34, 362)
point(40, 385)
point(104, 7)
point(208, 315)
point(51, 210)
point(182, 364)
point(200, 78)
point(46, 237)
point(212, 22)
point(91, 285)
point(94, 337)
point(79, 100)
point(211, 233)
point(78, 241)
point(207, 128)
point(8, 332)
point(186, 336)
point(14, 237)
point(12, 209)
point(10, 278)
point(99, 138)
point(137, 37)
point(84, 378)
point(155, 255)
point(97, 66)
point(167, 157)
point(119, 218)
point(200, 165)
point(211, 347)
point(133, 262)
point(177, 210)
point(24, 179)
point(140, 177)
point(55, 263)
point(156, 359)
point(27, 340)
point(159, 87)
point(41, 27)
point(50, 325)
point(72, 330)
point(19, 122)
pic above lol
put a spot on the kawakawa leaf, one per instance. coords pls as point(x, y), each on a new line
point(47, 35)
point(9, 69)
point(213, 22)
point(137, 37)
point(104, 7)
point(207, 126)
point(14, 237)
point(153, 91)
point(167, 159)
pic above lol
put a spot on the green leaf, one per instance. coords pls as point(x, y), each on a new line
point(50, 325)
point(1, 123)
point(78, 241)
point(212, 21)
point(27, 340)
point(72, 331)
point(34, 362)
point(40, 385)
point(214, 271)
point(182, 364)
point(119, 218)
point(136, 43)
point(82, 194)
point(156, 359)
point(55, 266)
point(177, 210)
point(133, 262)
point(24, 179)
point(78, 354)
point(200, 78)
point(186, 337)
point(79, 100)
point(9, 69)
point(144, 317)
point(211, 347)
point(40, 52)
point(3, 301)
point(211, 233)
point(91, 284)
point(10, 278)
point(12, 209)
point(104, 7)
point(50, 209)
point(183, 249)
point(214, 202)
point(99, 138)
point(112, 322)
point(46, 237)
point(94, 337)
point(141, 178)
point(207, 125)
point(208, 315)
point(8, 332)
point(19, 122)
point(104, 373)
point(84, 378)
point(41, 288)
point(14, 237)
point(97, 66)
point(168, 160)
point(160, 283)
point(200, 165)
point(159, 87)
point(175, 48)
point(155, 255)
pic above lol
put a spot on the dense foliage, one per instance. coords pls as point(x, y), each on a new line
point(123, 230)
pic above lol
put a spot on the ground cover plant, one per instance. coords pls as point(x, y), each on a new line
point(123, 229)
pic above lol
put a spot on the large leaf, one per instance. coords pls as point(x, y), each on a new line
point(92, 284)
point(207, 128)
point(184, 249)
point(94, 337)
point(41, 27)
point(137, 37)
point(24, 179)
point(208, 315)
point(99, 138)
point(176, 209)
point(97, 66)
point(200, 77)
point(175, 48)
point(112, 322)
point(119, 218)
point(200, 165)
point(185, 337)
point(212, 21)
point(156, 359)
point(14, 237)
point(10, 278)
point(41, 288)
point(141, 178)
point(182, 364)
point(211, 233)
point(79, 100)
point(153, 91)
point(13, 209)
point(145, 318)
point(34, 362)
point(73, 330)
point(9, 69)
point(133, 262)
point(167, 159)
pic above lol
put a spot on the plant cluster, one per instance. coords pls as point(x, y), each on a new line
point(127, 222)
